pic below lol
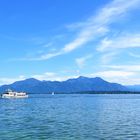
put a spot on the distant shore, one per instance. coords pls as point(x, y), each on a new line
point(91, 92)
point(95, 92)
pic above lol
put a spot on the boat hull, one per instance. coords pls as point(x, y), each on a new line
point(9, 97)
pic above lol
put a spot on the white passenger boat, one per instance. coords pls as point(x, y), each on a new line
point(13, 94)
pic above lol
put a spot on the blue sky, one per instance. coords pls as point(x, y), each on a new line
point(61, 39)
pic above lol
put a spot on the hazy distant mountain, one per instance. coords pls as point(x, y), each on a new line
point(72, 85)
point(134, 87)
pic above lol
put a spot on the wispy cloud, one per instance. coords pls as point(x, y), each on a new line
point(82, 39)
point(48, 45)
point(134, 55)
point(108, 57)
point(134, 68)
point(82, 60)
point(94, 27)
point(121, 42)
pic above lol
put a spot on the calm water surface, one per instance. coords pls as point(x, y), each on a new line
point(71, 117)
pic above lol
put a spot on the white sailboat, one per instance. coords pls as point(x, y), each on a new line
point(52, 93)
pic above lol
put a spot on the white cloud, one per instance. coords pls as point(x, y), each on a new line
point(108, 57)
point(82, 39)
point(124, 74)
point(134, 68)
point(48, 76)
point(134, 55)
point(115, 9)
point(48, 45)
point(82, 60)
point(94, 27)
point(108, 74)
point(121, 42)
point(119, 76)
point(51, 76)
point(5, 80)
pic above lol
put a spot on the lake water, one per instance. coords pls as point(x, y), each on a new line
point(71, 117)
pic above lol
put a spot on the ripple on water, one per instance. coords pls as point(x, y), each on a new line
point(70, 117)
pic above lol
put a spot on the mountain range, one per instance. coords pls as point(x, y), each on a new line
point(79, 84)
point(134, 88)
